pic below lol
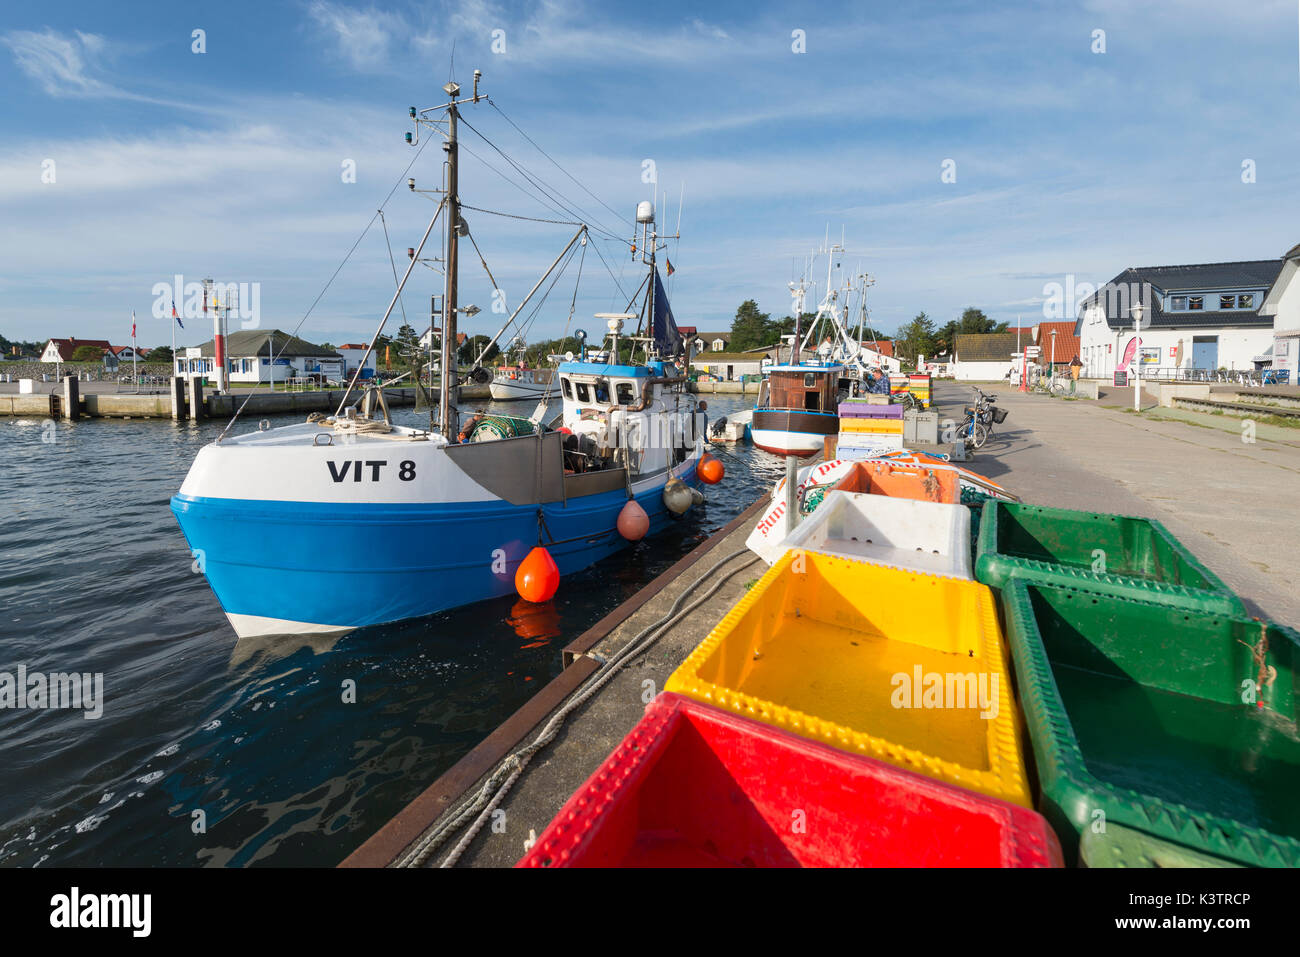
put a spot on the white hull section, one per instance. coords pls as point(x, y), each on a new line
point(255, 626)
point(508, 390)
point(788, 443)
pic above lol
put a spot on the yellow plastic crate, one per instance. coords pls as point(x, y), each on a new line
point(881, 426)
point(831, 649)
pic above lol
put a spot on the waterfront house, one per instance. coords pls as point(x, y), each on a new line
point(62, 350)
point(984, 357)
point(1205, 316)
point(1282, 304)
point(256, 356)
point(354, 354)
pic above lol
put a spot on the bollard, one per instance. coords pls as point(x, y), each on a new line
point(196, 398)
point(71, 398)
point(178, 398)
point(791, 494)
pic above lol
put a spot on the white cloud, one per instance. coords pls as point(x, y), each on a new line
point(62, 65)
point(363, 37)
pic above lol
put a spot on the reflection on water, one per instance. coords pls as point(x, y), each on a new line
point(217, 752)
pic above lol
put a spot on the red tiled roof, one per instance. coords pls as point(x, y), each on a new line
point(883, 346)
point(70, 345)
point(1067, 343)
point(353, 345)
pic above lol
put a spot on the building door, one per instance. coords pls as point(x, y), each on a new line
point(731, 373)
point(1205, 352)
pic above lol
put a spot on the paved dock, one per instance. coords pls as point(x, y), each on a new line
point(1233, 503)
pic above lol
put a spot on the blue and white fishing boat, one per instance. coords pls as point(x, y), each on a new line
point(350, 520)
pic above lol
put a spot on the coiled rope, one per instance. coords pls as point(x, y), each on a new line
point(503, 778)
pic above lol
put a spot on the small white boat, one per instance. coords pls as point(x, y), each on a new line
point(733, 427)
point(512, 382)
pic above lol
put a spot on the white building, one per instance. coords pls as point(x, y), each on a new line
point(255, 356)
point(1282, 304)
point(1196, 317)
point(354, 354)
point(983, 357)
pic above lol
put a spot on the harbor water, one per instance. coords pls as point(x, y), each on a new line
point(213, 752)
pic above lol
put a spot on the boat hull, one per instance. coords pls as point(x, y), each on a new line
point(511, 391)
point(790, 432)
point(329, 567)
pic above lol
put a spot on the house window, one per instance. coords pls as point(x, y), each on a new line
point(699, 345)
point(1178, 303)
point(1227, 302)
point(1246, 301)
point(1195, 302)
point(718, 345)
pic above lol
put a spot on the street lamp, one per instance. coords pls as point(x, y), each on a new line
point(1136, 312)
point(1053, 353)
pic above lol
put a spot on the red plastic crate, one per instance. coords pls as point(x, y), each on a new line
point(695, 786)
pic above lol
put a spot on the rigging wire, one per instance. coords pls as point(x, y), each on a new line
point(538, 183)
point(393, 263)
point(493, 104)
point(327, 285)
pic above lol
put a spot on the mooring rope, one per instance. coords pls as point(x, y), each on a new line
point(498, 785)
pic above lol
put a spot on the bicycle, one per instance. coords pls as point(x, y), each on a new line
point(973, 432)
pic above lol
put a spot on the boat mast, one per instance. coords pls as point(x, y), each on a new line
point(449, 390)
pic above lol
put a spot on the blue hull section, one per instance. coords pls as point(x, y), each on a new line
point(353, 565)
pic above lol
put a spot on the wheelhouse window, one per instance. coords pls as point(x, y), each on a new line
point(625, 394)
point(809, 380)
point(584, 393)
point(1195, 302)
point(568, 389)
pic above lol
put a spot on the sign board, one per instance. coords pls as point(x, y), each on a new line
point(1121, 377)
point(1033, 351)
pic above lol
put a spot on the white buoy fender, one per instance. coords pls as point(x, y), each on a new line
point(677, 496)
point(697, 497)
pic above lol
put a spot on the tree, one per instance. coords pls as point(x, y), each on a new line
point(88, 354)
point(915, 338)
point(161, 354)
point(972, 322)
point(750, 329)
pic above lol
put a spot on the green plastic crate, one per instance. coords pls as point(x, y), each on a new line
point(1134, 557)
point(1140, 711)
point(1119, 846)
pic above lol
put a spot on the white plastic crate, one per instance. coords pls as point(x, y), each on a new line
point(899, 532)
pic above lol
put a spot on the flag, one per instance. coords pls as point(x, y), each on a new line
point(176, 316)
point(670, 265)
point(132, 323)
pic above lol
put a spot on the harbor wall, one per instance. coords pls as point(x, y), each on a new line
point(158, 405)
point(724, 388)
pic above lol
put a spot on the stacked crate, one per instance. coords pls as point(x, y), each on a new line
point(919, 384)
point(867, 429)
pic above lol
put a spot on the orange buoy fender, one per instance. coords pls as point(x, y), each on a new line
point(633, 522)
point(538, 577)
point(710, 470)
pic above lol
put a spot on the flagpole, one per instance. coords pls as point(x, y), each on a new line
point(135, 369)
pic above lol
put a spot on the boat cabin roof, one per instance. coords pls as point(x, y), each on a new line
point(603, 369)
point(807, 367)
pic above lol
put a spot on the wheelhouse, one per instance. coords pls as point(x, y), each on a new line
point(806, 388)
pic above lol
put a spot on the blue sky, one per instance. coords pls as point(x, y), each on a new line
point(228, 163)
